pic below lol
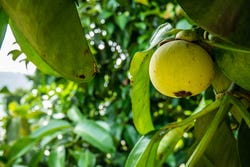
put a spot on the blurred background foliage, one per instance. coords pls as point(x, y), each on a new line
point(44, 126)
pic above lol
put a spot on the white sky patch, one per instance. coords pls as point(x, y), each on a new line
point(6, 62)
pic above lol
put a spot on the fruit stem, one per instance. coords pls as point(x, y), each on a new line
point(209, 108)
point(198, 152)
point(227, 47)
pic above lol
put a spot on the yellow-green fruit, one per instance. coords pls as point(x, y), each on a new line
point(180, 68)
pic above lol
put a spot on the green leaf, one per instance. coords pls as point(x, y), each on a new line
point(243, 144)
point(36, 158)
point(52, 127)
point(4, 90)
point(144, 152)
point(15, 54)
point(74, 114)
point(222, 150)
point(140, 96)
point(86, 159)
point(19, 148)
point(161, 33)
point(3, 24)
point(57, 157)
point(57, 37)
point(235, 65)
point(31, 54)
point(95, 135)
point(122, 19)
point(227, 19)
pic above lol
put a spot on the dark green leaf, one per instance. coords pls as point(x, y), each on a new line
point(140, 91)
point(222, 151)
point(227, 19)
point(3, 25)
point(235, 65)
point(57, 157)
point(36, 158)
point(121, 20)
point(244, 144)
point(31, 54)
point(19, 148)
point(95, 135)
point(52, 127)
point(4, 90)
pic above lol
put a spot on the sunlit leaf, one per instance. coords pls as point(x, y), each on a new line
point(95, 135)
point(140, 91)
point(144, 2)
point(161, 33)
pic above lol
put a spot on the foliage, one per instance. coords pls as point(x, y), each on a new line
point(118, 118)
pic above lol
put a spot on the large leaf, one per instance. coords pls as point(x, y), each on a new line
point(30, 52)
point(227, 19)
point(222, 150)
point(19, 148)
point(235, 65)
point(140, 91)
point(95, 135)
point(53, 127)
point(144, 152)
point(3, 24)
point(139, 70)
point(54, 31)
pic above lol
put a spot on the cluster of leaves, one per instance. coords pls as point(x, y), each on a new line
point(60, 123)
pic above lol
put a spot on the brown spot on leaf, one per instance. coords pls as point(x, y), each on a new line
point(182, 93)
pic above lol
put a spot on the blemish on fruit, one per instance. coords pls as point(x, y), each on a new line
point(182, 93)
point(82, 76)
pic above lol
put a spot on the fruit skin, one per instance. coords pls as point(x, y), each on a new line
point(235, 65)
point(54, 30)
point(180, 68)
